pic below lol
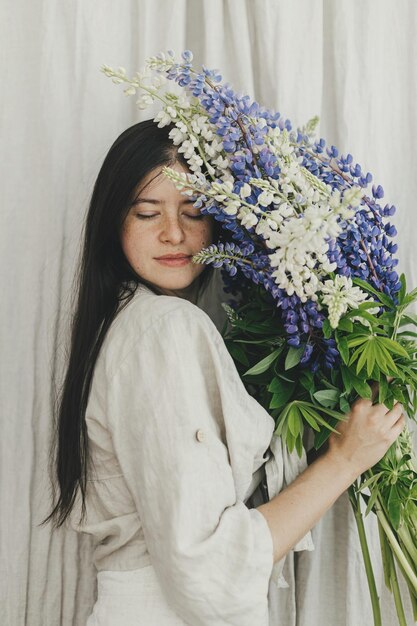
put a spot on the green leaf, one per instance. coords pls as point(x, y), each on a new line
point(410, 318)
point(325, 410)
point(344, 405)
point(263, 365)
point(281, 396)
point(358, 341)
point(370, 360)
point(306, 380)
point(403, 289)
point(347, 378)
point(361, 387)
point(237, 352)
point(392, 369)
point(327, 397)
point(299, 446)
point(382, 297)
point(327, 329)
point(309, 418)
point(363, 358)
point(398, 394)
point(367, 316)
point(370, 481)
point(345, 324)
point(342, 344)
point(383, 390)
point(293, 357)
point(294, 421)
point(323, 435)
point(281, 419)
point(371, 501)
point(393, 346)
point(394, 506)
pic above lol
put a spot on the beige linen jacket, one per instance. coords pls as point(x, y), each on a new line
point(178, 446)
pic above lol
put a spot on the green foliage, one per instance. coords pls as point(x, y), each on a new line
point(372, 347)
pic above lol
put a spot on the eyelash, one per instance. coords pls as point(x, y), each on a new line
point(147, 217)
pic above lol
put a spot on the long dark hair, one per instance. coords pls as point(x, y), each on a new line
point(104, 284)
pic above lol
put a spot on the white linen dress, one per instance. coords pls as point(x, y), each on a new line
point(179, 449)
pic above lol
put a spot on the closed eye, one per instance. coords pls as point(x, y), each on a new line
point(141, 216)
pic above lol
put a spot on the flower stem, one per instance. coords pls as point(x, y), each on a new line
point(395, 588)
point(408, 571)
point(397, 596)
point(376, 609)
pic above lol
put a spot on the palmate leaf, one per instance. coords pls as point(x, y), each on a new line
point(310, 418)
point(373, 349)
point(290, 424)
point(393, 346)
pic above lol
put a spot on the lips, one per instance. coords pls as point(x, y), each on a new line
point(173, 256)
point(174, 260)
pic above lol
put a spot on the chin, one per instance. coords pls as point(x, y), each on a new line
point(178, 283)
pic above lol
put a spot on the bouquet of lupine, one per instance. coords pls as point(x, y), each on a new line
point(318, 314)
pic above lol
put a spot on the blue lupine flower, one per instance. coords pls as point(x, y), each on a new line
point(363, 249)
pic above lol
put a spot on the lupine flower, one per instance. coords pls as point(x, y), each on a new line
point(297, 210)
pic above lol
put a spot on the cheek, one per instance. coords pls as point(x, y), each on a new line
point(206, 233)
point(131, 242)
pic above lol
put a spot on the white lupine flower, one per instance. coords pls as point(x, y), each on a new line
point(195, 162)
point(339, 295)
point(265, 198)
point(210, 169)
point(209, 150)
point(247, 217)
point(177, 136)
point(144, 101)
point(207, 133)
point(187, 148)
point(245, 191)
point(162, 62)
point(171, 112)
point(223, 164)
point(163, 118)
point(183, 101)
point(232, 207)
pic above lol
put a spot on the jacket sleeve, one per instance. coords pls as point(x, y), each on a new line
point(168, 401)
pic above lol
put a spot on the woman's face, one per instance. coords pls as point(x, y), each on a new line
point(163, 222)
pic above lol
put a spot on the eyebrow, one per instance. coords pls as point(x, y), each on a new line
point(152, 201)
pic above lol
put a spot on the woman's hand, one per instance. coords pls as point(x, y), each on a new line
point(368, 432)
point(361, 441)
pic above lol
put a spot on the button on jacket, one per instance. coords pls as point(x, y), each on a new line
point(177, 447)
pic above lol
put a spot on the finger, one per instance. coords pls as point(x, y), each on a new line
point(398, 427)
point(393, 416)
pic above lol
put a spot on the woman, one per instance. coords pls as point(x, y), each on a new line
point(158, 442)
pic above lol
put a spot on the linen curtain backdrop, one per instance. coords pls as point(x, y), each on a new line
point(351, 62)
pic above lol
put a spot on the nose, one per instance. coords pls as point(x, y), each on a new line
point(172, 230)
